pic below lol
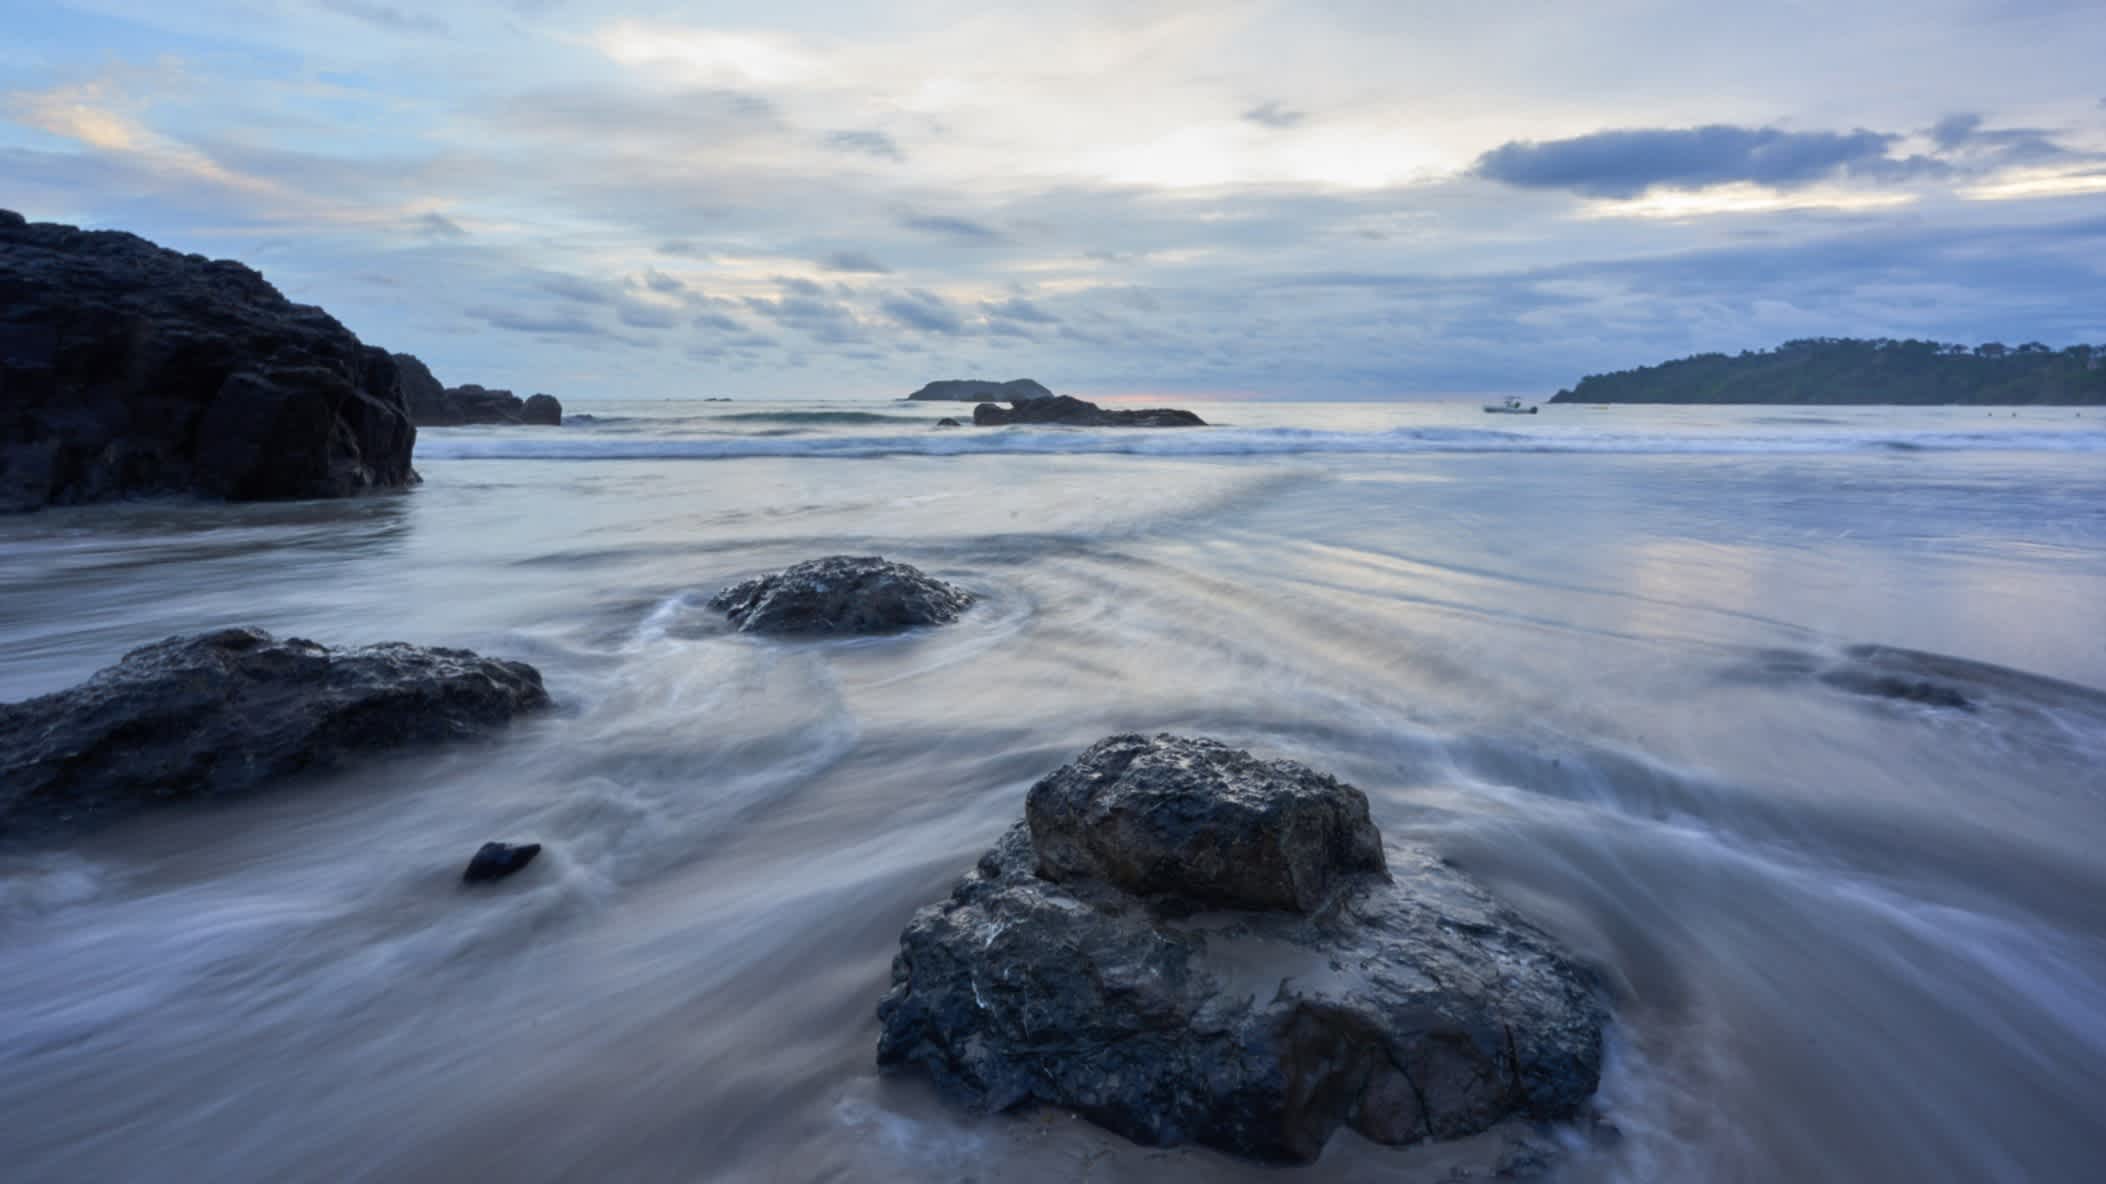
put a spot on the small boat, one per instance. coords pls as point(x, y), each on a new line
point(1510, 407)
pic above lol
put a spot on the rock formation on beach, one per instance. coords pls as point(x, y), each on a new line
point(974, 390)
point(1185, 943)
point(128, 369)
point(841, 594)
point(1072, 412)
point(433, 405)
point(220, 714)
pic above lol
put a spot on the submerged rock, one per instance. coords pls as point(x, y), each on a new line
point(948, 422)
point(1072, 412)
point(129, 369)
point(973, 390)
point(841, 594)
point(495, 861)
point(226, 713)
point(543, 410)
point(1184, 943)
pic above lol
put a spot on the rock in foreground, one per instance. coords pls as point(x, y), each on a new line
point(221, 714)
point(1135, 984)
point(973, 390)
point(129, 369)
point(1072, 412)
point(495, 861)
point(841, 594)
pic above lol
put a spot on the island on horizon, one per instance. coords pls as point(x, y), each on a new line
point(1845, 370)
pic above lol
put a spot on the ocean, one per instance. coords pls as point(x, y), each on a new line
point(1599, 658)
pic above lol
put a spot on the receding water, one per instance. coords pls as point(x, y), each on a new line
point(1591, 656)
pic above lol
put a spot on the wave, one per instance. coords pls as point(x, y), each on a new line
point(815, 417)
point(1238, 442)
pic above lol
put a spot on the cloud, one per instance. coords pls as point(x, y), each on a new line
point(435, 225)
point(659, 281)
point(1626, 163)
point(1965, 133)
point(1274, 114)
point(575, 288)
point(718, 322)
point(923, 310)
point(857, 262)
point(386, 16)
point(825, 321)
point(648, 316)
point(962, 230)
point(540, 324)
point(869, 143)
point(1016, 308)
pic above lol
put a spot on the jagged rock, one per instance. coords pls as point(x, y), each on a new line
point(1407, 1005)
point(129, 369)
point(1073, 412)
point(424, 395)
point(841, 594)
point(495, 861)
point(973, 390)
point(544, 410)
point(226, 713)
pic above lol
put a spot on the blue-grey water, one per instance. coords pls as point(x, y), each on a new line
point(1847, 938)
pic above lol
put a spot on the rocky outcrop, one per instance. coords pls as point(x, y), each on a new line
point(432, 405)
point(1072, 412)
point(1184, 943)
point(128, 369)
point(227, 713)
point(974, 390)
point(841, 594)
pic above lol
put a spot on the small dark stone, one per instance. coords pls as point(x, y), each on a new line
point(495, 861)
point(948, 422)
point(841, 594)
point(1068, 411)
point(1890, 686)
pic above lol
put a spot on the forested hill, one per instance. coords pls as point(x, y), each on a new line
point(1847, 370)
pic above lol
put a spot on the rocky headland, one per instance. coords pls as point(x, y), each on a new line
point(223, 714)
point(1185, 943)
point(129, 369)
point(975, 390)
point(1069, 411)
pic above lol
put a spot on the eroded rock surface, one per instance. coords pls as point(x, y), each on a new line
point(1406, 1004)
point(129, 369)
point(1068, 411)
point(841, 594)
point(226, 713)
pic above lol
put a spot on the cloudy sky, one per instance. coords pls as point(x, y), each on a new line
point(1322, 199)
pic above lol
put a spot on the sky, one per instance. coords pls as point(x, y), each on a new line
point(1352, 199)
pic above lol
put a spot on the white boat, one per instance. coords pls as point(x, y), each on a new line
point(1510, 407)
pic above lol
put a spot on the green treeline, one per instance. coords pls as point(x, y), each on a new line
point(1848, 370)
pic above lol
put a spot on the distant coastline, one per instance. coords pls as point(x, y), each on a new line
point(1843, 370)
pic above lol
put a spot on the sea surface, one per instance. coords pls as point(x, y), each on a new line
point(1847, 937)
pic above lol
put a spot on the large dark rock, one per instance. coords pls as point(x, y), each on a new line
point(433, 405)
point(1407, 1005)
point(227, 713)
point(544, 410)
point(129, 369)
point(841, 594)
point(973, 390)
point(1073, 412)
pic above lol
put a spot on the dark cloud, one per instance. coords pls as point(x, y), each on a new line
point(659, 281)
point(1964, 132)
point(926, 311)
point(1626, 163)
point(799, 286)
point(1016, 308)
point(575, 288)
point(868, 143)
point(823, 320)
point(682, 249)
point(541, 324)
point(857, 262)
point(963, 230)
point(1274, 114)
point(649, 316)
point(718, 322)
point(385, 16)
point(439, 226)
